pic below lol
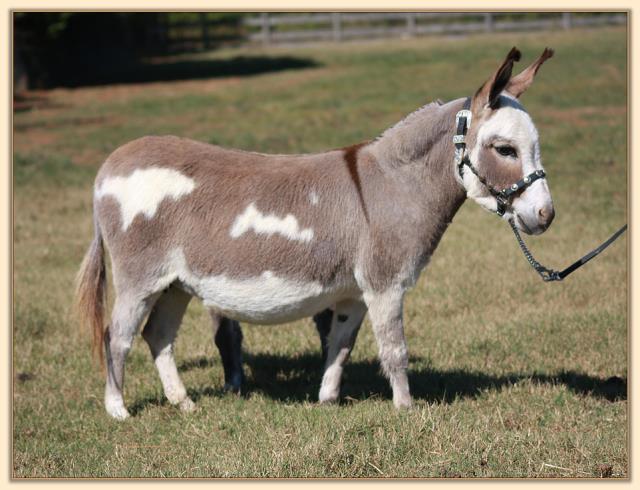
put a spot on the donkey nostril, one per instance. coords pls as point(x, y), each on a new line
point(546, 215)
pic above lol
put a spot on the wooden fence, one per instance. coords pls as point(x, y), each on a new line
point(269, 28)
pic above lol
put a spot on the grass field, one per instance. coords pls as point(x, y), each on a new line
point(511, 377)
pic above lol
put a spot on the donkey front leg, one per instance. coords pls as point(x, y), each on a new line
point(128, 312)
point(385, 313)
point(160, 333)
point(227, 336)
point(346, 321)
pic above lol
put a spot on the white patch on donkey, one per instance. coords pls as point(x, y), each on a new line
point(265, 298)
point(313, 198)
point(144, 190)
point(252, 219)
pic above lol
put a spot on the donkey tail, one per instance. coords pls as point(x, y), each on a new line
point(91, 292)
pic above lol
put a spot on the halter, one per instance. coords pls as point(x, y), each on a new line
point(503, 199)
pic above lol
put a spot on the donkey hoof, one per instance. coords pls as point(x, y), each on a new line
point(233, 384)
point(402, 403)
point(328, 396)
point(187, 405)
point(118, 413)
point(328, 401)
point(232, 388)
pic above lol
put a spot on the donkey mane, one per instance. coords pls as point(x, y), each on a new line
point(413, 139)
point(424, 112)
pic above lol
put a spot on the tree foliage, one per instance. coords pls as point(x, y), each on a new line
point(76, 48)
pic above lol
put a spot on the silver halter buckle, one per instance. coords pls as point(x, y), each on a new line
point(466, 113)
point(459, 139)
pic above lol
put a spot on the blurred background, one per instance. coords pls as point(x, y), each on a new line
point(69, 49)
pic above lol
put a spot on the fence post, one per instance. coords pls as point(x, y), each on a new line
point(205, 30)
point(337, 26)
point(266, 34)
point(488, 22)
point(566, 20)
point(411, 24)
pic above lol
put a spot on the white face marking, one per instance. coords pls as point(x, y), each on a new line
point(313, 198)
point(252, 219)
point(515, 126)
point(265, 298)
point(144, 190)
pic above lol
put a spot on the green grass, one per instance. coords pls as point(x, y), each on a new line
point(511, 377)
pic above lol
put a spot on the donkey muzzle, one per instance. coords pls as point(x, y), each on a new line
point(545, 216)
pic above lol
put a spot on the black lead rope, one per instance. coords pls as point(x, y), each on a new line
point(503, 198)
point(553, 275)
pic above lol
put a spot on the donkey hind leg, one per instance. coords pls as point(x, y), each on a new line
point(323, 326)
point(385, 313)
point(160, 333)
point(128, 312)
point(227, 336)
point(345, 324)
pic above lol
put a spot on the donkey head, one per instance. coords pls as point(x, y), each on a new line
point(503, 146)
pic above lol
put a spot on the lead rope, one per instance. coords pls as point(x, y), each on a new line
point(546, 274)
point(553, 275)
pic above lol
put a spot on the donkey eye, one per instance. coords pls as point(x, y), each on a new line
point(507, 151)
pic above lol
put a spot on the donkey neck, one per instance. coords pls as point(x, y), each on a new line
point(411, 193)
point(419, 152)
point(425, 134)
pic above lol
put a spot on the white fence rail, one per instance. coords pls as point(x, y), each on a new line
point(271, 28)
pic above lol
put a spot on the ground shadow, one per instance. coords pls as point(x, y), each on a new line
point(297, 378)
point(28, 101)
point(168, 71)
point(159, 400)
point(147, 402)
point(239, 66)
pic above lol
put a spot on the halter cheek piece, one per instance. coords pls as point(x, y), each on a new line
point(503, 199)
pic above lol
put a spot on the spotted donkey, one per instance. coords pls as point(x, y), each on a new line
point(273, 238)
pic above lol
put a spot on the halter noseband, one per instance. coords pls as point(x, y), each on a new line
point(503, 197)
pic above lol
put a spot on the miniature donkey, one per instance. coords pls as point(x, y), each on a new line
point(273, 238)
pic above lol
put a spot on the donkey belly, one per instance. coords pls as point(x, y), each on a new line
point(266, 298)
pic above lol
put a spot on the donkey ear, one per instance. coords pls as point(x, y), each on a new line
point(518, 84)
point(488, 94)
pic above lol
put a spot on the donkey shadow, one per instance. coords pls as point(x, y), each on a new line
point(297, 379)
